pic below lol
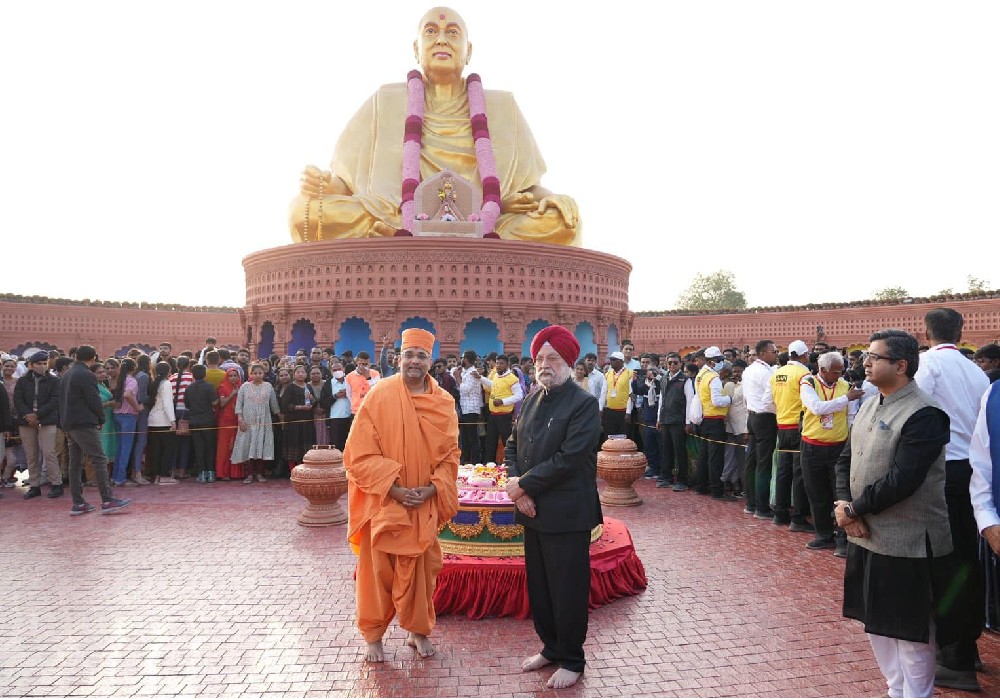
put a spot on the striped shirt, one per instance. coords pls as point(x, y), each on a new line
point(179, 387)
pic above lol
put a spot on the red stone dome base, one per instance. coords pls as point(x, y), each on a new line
point(449, 281)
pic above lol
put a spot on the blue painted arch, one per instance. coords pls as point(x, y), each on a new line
point(482, 335)
point(303, 336)
point(265, 346)
point(585, 335)
point(530, 332)
point(355, 335)
point(421, 322)
point(613, 343)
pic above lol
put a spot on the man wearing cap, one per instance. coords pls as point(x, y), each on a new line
point(551, 462)
point(618, 399)
point(790, 499)
point(401, 461)
point(714, 408)
point(36, 401)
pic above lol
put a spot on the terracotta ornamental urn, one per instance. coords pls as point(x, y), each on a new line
point(321, 480)
point(620, 463)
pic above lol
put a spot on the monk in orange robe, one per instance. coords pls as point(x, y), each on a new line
point(401, 460)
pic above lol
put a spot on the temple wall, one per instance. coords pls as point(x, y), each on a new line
point(843, 327)
point(109, 328)
point(489, 298)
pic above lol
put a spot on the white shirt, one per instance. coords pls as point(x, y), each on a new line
point(162, 412)
point(470, 392)
point(981, 485)
point(715, 393)
point(736, 419)
point(757, 387)
point(956, 384)
point(598, 386)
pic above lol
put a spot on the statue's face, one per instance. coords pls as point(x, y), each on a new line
point(443, 44)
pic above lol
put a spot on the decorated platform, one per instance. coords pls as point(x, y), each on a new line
point(484, 586)
point(483, 548)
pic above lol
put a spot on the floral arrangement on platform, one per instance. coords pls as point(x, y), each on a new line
point(482, 476)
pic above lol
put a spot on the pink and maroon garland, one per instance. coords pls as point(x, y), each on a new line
point(412, 141)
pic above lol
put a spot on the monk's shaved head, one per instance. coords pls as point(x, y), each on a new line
point(442, 47)
point(446, 15)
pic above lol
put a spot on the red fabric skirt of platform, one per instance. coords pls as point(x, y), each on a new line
point(497, 586)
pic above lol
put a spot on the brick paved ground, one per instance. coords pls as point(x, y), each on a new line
point(214, 590)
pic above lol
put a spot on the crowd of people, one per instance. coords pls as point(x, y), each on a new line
point(770, 429)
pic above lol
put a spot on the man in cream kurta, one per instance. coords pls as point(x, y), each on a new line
point(401, 461)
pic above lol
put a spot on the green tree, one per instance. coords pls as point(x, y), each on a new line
point(712, 292)
point(891, 294)
point(977, 285)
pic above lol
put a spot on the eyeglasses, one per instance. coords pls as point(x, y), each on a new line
point(673, 362)
point(410, 355)
point(875, 357)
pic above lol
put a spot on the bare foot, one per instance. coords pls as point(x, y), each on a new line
point(533, 663)
point(563, 679)
point(374, 652)
point(422, 644)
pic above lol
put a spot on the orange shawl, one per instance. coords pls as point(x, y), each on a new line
point(412, 439)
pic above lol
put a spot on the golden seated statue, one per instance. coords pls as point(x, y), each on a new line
point(360, 196)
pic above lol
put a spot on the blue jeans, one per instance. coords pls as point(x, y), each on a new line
point(125, 422)
point(141, 429)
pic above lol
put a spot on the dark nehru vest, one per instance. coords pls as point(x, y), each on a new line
point(673, 405)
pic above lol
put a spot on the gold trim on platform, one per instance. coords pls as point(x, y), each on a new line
point(498, 549)
point(482, 549)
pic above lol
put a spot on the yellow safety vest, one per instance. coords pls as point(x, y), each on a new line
point(785, 389)
point(829, 429)
point(618, 390)
point(702, 383)
point(503, 387)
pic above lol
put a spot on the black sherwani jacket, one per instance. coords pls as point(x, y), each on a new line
point(553, 450)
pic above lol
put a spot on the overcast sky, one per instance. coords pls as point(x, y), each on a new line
point(820, 151)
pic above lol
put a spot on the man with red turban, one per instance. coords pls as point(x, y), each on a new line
point(401, 460)
point(551, 462)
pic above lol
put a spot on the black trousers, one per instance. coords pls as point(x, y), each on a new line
point(614, 422)
point(763, 429)
point(339, 429)
point(820, 479)
point(498, 428)
point(558, 572)
point(635, 430)
point(203, 444)
point(674, 453)
point(86, 442)
point(966, 611)
point(162, 442)
point(711, 455)
point(468, 431)
point(789, 491)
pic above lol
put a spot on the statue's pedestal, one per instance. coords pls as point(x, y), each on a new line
point(449, 282)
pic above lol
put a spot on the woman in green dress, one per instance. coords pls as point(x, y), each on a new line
point(109, 438)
